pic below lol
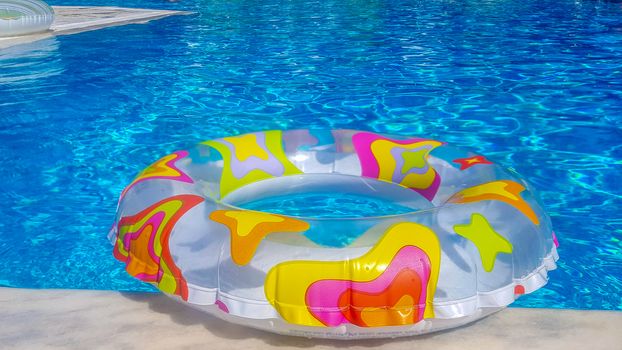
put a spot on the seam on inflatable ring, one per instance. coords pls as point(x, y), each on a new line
point(500, 297)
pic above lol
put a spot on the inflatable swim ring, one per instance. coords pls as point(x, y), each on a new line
point(21, 17)
point(474, 240)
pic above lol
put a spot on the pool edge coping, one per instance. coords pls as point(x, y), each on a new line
point(85, 318)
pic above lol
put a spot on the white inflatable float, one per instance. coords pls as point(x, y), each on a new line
point(22, 17)
point(474, 239)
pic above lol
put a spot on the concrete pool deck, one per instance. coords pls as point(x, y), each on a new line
point(76, 19)
point(83, 319)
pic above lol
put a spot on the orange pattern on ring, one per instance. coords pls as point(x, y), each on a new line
point(370, 310)
point(506, 191)
point(248, 228)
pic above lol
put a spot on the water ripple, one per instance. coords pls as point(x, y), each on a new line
point(535, 85)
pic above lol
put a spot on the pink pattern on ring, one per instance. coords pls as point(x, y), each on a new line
point(323, 297)
point(402, 162)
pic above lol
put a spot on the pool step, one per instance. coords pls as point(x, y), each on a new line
point(76, 19)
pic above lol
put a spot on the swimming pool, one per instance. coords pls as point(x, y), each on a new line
point(536, 85)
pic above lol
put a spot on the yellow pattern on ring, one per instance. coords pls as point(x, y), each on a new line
point(489, 243)
point(246, 147)
point(269, 154)
point(287, 283)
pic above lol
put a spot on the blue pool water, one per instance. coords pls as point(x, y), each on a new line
point(328, 205)
point(534, 84)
